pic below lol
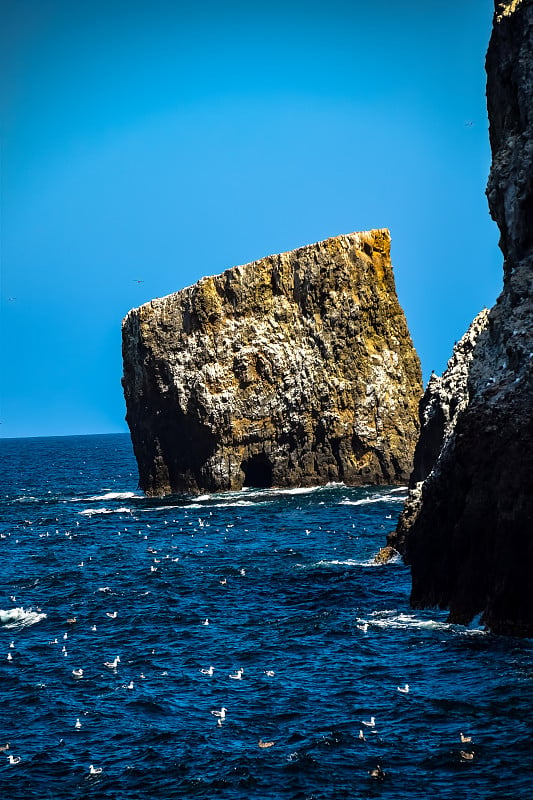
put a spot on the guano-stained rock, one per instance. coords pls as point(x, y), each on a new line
point(294, 370)
point(467, 527)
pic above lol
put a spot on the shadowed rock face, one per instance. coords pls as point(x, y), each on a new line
point(467, 527)
point(294, 370)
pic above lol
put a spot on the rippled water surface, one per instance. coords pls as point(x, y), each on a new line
point(275, 586)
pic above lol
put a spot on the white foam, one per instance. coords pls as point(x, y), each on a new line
point(366, 501)
point(391, 619)
point(19, 617)
point(237, 503)
point(89, 512)
point(114, 496)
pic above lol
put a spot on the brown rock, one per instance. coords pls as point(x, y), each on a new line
point(294, 370)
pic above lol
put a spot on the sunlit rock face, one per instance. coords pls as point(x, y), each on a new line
point(467, 528)
point(294, 370)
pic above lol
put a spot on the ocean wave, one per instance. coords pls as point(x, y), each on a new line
point(114, 496)
point(335, 562)
point(89, 512)
point(19, 617)
point(236, 503)
point(366, 501)
point(391, 619)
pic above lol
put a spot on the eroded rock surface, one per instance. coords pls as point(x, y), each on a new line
point(294, 370)
point(467, 528)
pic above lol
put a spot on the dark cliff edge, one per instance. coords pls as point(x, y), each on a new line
point(467, 526)
point(294, 370)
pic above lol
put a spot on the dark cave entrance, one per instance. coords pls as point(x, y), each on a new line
point(257, 472)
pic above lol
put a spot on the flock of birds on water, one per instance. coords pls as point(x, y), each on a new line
point(377, 773)
point(369, 726)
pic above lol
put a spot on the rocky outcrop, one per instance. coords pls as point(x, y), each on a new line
point(294, 370)
point(467, 528)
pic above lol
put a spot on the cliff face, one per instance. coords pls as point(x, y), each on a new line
point(467, 528)
point(294, 370)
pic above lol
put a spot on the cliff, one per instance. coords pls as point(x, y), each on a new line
point(294, 370)
point(467, 527)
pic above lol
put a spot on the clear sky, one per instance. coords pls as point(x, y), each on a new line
point(161, 141)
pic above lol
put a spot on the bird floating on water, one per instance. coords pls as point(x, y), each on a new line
point(261, 743)
point(94, 770)
point(270, 673)
point(371, 723)
point(237, 675)
point(4, 747)
point(220, 714)
point(466, 756)
point(112, 664)
point(78, 673)
point(464, 739)
point(404, 689)
point(205, 621)
point(112, 614)
point(378, 773)
point(9, 657)
point(363, 627)
point(361, 735)
point(77, 724)
point(13, 759)
point(208, 671)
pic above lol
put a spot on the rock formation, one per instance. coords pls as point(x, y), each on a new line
point(467, 527)
point(294, 370)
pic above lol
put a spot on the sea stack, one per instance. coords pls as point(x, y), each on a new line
point(294, 370)
point(467, 527)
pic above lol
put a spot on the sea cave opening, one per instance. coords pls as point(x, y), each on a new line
point(257, 471)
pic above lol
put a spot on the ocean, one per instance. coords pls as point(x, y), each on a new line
point(126, 622)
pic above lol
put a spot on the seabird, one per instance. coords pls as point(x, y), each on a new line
point(377, 773)
point(362, 735)
point(9, 657)
point(4, 747)
point(237, 675)
point(363, 627)
point(13, 759)
point(78, 673)
point(261, 743)
point(220, 714)
point(112, 614)
point(404, 689)
point(77, 724)
point(208, 671)
point(112, 664)
point(369, 723)
point(465, 739)
point(12, 645)
point(466, 756)
point(205, 622)
point(270, 673)
point(94, 770)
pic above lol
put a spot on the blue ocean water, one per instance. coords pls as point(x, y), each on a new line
point(321, 637)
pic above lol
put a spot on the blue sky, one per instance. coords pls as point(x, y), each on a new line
point(162, 141)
